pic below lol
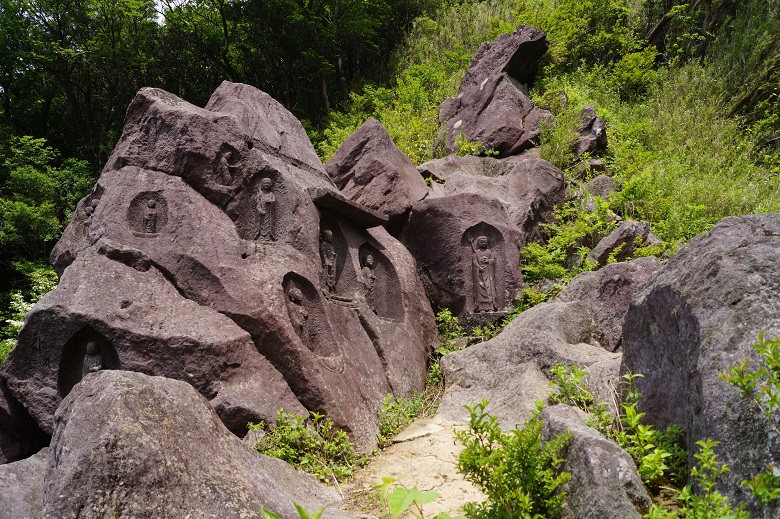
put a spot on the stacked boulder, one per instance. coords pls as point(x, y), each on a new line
point(492, 106)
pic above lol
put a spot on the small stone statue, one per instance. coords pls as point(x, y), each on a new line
point(484, 272)
point(298, 315)
point(150, 217)
point(93, 361)
point(224, 175)
point(266, 205)
point(328, 258)
point(369, 281)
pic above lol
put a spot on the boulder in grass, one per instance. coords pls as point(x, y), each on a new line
point(593, 133)
point(604, 481)
point(492, 106)
point(623, 241)
point(511, 370)
point(609, 291)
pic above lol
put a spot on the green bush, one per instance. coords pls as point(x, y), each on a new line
point(706, 503)
point(574, 233)
point(657, 454)
point(520, 475)
point(320, 448)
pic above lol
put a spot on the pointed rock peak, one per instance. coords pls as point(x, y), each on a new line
point(492, 106)
point(266, 121)
point(371, 170)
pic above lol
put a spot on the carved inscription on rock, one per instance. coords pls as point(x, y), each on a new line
point(147, 214)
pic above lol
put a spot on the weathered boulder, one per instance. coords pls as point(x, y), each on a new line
point(623, 241)
point(129, 445)
point(21, 485)
point(604, 482)
point(439, 169)
point(593, 133)
point(608, 292)
point(369, 169)
point(698, 317)
point(602, 186)
point(511, 369)
point(216, 250)
point(20, 436)
point(492, 106)
point(503, 201)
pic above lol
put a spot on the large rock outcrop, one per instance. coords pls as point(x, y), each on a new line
point(369, 169)
point(604, 481)
point(216, 250)
point(492, 106)
point(503, 201)
point(511, 370)
point(698, 317)
point(129, 445)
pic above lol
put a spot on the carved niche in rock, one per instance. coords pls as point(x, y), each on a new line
point(263, 217)
point(307, 317)
point(381, 286)
point(87, 351)
point(266, 211)
point(485, 253)
point(147, 214)
point(339, 277)
point(225, 169)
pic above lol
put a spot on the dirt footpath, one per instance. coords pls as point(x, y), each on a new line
point(423, 455)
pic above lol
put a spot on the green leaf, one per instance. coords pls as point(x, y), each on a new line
point(399, 500)
point(267, 514)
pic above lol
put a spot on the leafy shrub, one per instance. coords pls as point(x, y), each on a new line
point(519, 474)
point(320, 449)
point(634, 73)
point(657, 454)
point(569, 240)
point(402, 499)
point(707, 502)
point(762, 386)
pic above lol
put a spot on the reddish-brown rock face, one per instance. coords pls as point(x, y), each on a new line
point(201, 255)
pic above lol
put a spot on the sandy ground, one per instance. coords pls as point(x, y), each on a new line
point(423, 455)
